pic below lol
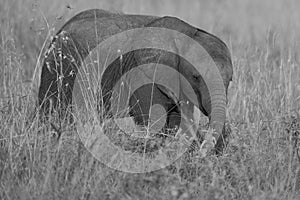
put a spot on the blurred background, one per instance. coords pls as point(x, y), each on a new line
point(29, 21)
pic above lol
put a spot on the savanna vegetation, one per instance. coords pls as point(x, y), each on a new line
point(42, 160)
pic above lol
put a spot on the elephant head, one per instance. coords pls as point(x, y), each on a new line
point(85, 31)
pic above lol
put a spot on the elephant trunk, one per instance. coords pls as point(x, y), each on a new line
point(218, 113)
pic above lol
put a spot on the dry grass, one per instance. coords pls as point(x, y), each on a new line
point(261, 160)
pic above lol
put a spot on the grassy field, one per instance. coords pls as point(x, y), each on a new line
point(261, 160)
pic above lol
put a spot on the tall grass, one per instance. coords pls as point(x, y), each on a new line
point(261, 160)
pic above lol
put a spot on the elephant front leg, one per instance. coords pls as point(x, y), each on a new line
point(190, 126)
point(189, 120)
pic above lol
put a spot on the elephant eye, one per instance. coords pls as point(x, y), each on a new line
point(196, 76)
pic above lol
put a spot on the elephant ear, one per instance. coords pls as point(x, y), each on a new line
point(215, 92)
point(219, 52)
point(169, 93)
point(160, 67)
point(166, 79)
point(184, 69)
